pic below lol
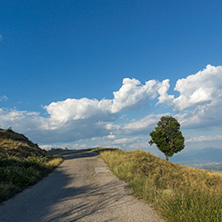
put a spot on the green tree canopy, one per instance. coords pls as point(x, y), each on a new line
point(167, 136)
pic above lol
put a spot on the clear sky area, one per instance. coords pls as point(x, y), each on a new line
point(82, 74)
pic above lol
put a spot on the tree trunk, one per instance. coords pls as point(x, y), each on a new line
point(167, 158)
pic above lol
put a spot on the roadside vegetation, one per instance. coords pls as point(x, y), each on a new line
point(59, 149)
point(22, 163)
point(181, 193)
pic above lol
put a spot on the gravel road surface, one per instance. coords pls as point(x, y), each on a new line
point(81, 189)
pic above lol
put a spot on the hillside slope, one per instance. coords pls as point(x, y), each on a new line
point(183, 193)
point(15, 144)
point(22, 163)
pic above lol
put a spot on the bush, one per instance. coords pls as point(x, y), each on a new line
point(17, 174)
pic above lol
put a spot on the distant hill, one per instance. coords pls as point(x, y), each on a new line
point(12, 143)
point(199, 156)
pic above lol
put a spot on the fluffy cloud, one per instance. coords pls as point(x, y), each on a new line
point(73, 109)
point(142, 126)
point(204, 138)
point(138, 142)
point(207, 116)
point(202, 94)
point(132, 93)
point(124, 140)
point(20, 119)
point(203, 87)
point(198, 106)
point(164, 97)
point(44, 130)
point(75, 119)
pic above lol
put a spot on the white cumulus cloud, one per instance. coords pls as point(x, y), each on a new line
point(202, 94)
point(164, 97)
point(198, 106)
point(21, 120)
point(74, 109)
point(132, 93)
point(203, 87)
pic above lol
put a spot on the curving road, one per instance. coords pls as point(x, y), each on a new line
point(81, 189)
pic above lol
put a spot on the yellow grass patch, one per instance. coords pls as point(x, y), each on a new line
point(183, 193)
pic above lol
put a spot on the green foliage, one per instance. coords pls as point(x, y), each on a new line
point(59, 149)
point(22, 163)
point(16, 174)
point(167, 136)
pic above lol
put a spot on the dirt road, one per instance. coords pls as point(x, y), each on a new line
point(81, 189)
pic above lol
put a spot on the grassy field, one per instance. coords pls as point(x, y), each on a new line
point(180, 193)
point(22, 163)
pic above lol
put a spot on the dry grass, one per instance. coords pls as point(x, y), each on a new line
point(182, 193)
point(15, 144)
point(54, 160)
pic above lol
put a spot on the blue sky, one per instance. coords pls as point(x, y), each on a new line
point(102, 73)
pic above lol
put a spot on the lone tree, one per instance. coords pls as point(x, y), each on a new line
point(167, 136)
